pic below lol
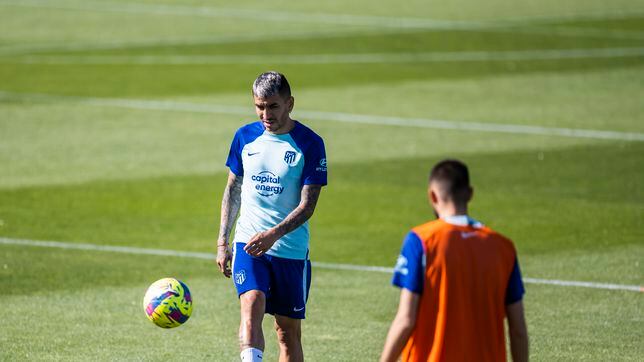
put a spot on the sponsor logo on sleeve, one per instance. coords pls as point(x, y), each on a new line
point(401, 265)
point(322, 166)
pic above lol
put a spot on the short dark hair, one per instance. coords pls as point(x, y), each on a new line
point(271, 83)
point(454, 179)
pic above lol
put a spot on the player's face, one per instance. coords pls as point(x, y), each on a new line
point(274, 113)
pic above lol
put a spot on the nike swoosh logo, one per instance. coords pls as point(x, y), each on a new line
point(252, 154)
point(297, 309)
point(467, 235)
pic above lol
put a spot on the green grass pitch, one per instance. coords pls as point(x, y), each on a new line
point(116, 117)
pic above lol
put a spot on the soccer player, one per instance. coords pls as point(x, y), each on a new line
point(458, 280)
point(277, 170)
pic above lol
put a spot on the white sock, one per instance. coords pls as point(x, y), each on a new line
point(251, 355)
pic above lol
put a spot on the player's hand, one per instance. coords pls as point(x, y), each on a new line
point(261, 242)
point(224, 256)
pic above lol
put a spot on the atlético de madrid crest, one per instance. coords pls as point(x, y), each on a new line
point(289, 157)
point(240, 277)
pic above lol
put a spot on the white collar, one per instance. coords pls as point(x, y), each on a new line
point(461, 220)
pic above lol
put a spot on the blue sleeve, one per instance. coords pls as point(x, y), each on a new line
point(409, 272)
point(515, 290)
point(314, 172)
point(234, 161)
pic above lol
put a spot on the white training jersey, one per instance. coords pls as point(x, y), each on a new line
point(274, 168)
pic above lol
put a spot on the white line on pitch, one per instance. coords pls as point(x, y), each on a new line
point(26, 48)
point(501, 25)
point(34, 48)
point(322, 265)
point(14, 49)
point(595, 15)
point(356, 58)
point(67, 47)
point(335, 19)
point(571, 31)
point(250, 14)
point(336, 117)
point(386, 24)
point(308, 17)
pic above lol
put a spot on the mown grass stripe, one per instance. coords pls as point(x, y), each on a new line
point(324, 18)
point(541, 24)
point(337, 117)
point(355, 58)
point(323, 265)
point(33, 48)
point(250, 14)
point(71, 47)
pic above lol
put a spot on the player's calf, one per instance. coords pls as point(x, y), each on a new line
point(253, 304)
point(289, 337)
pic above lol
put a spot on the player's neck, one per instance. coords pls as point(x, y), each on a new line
point(451, 209)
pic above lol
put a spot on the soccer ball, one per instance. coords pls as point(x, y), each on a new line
point(168, 303)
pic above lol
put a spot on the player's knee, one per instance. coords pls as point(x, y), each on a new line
point(252, 297)
point(252, 304)
point(287, 334)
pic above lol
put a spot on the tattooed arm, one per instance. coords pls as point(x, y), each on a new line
point(230, 204)
point(261, 242)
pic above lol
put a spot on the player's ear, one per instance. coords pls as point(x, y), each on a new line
point(470, 194)
point(433, 197)
point(290, 103)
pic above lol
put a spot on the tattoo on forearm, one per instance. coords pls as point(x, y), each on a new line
point(304, 211)
point(230, 204)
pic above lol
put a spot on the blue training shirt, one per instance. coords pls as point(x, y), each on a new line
point(275, 167)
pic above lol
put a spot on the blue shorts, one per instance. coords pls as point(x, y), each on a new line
point(285, 282)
